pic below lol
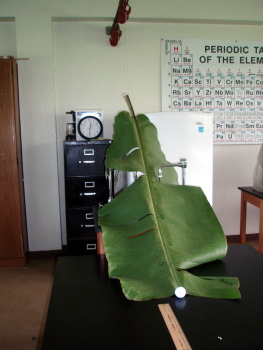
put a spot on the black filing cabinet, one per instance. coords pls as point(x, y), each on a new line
point(86, 187)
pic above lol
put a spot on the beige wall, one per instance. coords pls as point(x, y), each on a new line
point(71, 65)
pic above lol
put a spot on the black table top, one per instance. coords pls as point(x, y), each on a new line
point(250, 190)
point(88, 310)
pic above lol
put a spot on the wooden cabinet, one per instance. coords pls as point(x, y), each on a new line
point(85, 188)
point(13, 242)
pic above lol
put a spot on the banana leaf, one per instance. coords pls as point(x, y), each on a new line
point(153, 232)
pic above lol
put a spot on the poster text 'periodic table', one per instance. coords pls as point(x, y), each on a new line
point(223, 77)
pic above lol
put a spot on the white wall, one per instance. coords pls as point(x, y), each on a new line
point(8, 38)
point(71, 65)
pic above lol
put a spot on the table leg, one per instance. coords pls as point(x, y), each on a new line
point(260, 243)
point(243, 219)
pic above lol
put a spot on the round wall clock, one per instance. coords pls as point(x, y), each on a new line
point(90, 127)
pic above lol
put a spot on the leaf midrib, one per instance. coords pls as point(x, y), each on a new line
point(166, 252)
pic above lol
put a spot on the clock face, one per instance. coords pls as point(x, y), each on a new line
point(90, 127)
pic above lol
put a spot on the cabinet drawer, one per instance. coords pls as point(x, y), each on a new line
point(85, 160)
point(84, 191)
point(81, 234)
point(82, 246)
point(80, 222)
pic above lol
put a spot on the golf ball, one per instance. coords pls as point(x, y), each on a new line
point(180, 292)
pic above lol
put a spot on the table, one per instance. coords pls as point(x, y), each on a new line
point(88, 310)
point(249, 195)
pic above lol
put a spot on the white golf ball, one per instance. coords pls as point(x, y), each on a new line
point(180, 292)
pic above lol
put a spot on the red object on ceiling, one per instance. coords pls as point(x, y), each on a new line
point(115, 34)
point(123, 12)
point(121, 17)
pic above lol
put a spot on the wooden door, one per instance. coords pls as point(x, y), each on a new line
point(12, 221)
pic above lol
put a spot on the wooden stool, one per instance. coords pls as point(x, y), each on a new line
point(249, 195)
point(100, 245)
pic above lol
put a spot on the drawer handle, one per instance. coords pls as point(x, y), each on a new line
point(88, 152)
point(87, 225)
point(89, 184)
point(88, 194)
point(91, 246)
point(89, 216)
point(87, 161)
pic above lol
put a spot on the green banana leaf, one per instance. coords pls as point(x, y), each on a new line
point(154, 231)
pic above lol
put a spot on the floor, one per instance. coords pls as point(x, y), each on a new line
point(24, 298)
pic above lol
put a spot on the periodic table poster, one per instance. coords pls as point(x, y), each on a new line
point(223, 77)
